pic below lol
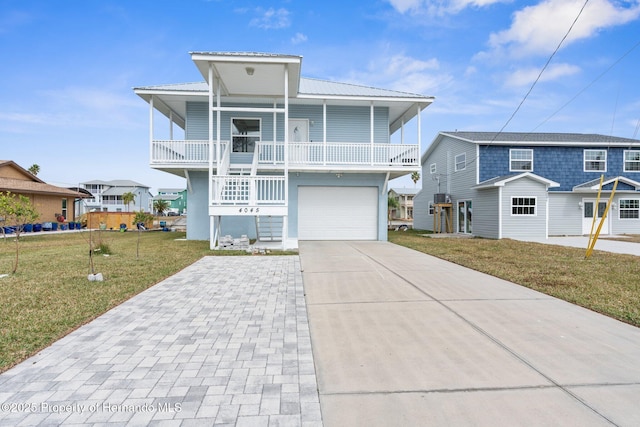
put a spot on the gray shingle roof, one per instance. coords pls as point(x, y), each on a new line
point(538, 137)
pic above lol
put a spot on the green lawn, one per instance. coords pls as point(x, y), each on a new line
point(607, 283)
point(50, 295)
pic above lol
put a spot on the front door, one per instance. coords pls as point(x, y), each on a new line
point(589, 211)
point(464, 217)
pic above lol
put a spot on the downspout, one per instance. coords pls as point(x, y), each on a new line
point(499, 212)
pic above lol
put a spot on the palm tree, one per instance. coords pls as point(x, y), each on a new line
point(34, 169)
point(415, 177)
point(160, 206)
point(127, 198)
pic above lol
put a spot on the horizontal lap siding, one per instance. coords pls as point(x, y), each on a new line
point(524, 227)
point(485, 214)
point(565, 214)
point(458, 184)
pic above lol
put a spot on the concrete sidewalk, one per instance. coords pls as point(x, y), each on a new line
point(401, 338)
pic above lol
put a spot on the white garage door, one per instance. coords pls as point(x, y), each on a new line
point(337, 213)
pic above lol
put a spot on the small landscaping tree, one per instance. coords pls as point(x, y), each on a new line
point(140, 221)
point(17, 210)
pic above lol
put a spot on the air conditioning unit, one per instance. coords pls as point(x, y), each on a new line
point(441, 198)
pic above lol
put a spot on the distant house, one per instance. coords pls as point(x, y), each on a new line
point(107, 196)
point(275, 156)
point(50, 201)
point(177, 198)
point(404, 197)
point(528, 185)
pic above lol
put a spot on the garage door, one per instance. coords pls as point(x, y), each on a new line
point(337, 213)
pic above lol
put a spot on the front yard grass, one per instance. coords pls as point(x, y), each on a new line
point(607, 283)
point(50, 294)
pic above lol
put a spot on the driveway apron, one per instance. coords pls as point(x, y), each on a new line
point(401, 338)
point(225, 342)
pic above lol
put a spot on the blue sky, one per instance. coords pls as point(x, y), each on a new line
point(68, 67)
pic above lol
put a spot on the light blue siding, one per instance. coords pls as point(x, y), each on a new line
point(198, 216)
point(344, 124)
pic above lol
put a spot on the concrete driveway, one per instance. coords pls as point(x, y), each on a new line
point(401, 338)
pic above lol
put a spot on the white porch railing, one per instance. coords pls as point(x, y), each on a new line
point(183, 152)
point(339, 154)
point(239, 190)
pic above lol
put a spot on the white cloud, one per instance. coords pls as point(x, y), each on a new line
point(271, 19)
point(404, 73)
point(537, 30)
point(525, 77)
point(298, 38)
point(439, 7)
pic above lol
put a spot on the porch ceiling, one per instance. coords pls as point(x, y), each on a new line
point(250, 74)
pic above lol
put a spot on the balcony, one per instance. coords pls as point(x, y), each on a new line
point(190, 153)
point(302, 155)
point(248, 195)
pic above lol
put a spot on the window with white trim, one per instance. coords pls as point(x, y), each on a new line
point(432, 168)
point(430, 208)
point(629, 209)
point(461, 162)
point(595, 160)
point(523, 206)
point(245, 133)
point(520, 160)
point(632, 161)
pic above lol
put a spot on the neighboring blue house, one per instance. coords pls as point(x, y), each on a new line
point(275, 156)
point(528, 185)
point(107, 196)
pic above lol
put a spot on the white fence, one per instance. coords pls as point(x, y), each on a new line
point(248, 190)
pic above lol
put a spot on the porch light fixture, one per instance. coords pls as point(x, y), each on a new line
point(249, 70)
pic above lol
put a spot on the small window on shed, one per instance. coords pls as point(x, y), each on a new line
point(523, 206)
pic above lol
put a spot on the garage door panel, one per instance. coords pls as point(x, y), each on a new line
point(338, 213)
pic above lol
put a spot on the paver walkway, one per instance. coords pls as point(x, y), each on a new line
point(225, 341)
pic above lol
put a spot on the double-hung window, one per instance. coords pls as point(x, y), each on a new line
point(432, 168)
point(632, 161)
point(521, 206)
point(520, 160)
point(595, 160)
point(629, 208)
point(461, 162)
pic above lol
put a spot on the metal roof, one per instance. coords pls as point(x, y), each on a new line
point(308, 86)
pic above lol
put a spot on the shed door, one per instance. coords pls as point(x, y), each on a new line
point(337, 213)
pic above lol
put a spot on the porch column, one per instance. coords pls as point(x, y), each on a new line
point(151, 129)
point(210, 198)
point(419, 128)
point(324, 131)
point(171, 125)
point(285, 228)
point(275, 134)
point(371, 128)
